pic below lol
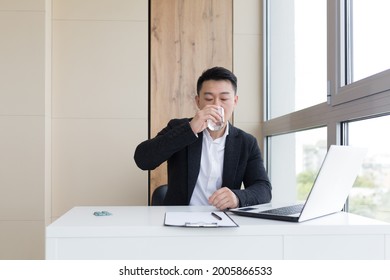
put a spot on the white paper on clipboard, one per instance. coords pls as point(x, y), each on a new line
point(198, 219)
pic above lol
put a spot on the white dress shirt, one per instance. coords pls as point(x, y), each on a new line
point(211, 168)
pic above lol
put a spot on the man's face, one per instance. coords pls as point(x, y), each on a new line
point(219, 93)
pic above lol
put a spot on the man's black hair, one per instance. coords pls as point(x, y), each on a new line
point(217, 74)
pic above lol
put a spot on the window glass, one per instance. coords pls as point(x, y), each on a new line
point(296, 55)
point(370, 40)
point(295, 161)
point(370, 195)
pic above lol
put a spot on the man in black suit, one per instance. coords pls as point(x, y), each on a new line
point(208, 165)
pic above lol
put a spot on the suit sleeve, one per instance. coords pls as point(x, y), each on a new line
point(257, 186)
point(173, 138)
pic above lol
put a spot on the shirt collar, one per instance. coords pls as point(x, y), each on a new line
point(220, 139)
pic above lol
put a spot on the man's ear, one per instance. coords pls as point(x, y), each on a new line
point(197, 101)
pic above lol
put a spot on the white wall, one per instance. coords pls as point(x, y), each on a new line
point(73, 106)
point(99, 102)
point(247, 65)
point(22, 129)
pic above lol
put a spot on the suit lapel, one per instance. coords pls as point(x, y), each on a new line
point(231, 158)
point(230, 165)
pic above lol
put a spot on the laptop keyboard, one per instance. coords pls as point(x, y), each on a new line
point(283, 211)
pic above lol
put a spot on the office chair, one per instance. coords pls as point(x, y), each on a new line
point(159, 195)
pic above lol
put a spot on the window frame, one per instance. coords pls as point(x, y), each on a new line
point(365, 98)
point(341, 88)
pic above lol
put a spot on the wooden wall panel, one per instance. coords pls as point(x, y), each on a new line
point(186, 37)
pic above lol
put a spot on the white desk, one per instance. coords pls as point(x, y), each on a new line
point(137, 232)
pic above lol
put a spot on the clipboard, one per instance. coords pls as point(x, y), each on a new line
point(199, 219)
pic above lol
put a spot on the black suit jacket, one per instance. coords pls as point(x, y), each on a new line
point(178, 145)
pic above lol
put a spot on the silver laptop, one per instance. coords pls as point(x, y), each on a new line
point(328, 194)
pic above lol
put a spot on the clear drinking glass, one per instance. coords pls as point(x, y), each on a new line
point(218, 125)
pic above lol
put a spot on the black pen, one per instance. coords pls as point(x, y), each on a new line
point(216, 216)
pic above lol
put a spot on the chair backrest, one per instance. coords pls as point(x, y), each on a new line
point(159, 195)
